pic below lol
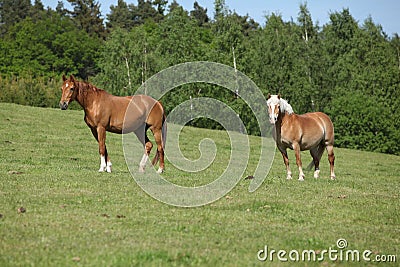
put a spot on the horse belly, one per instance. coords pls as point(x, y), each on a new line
point(131, 125)
point(284, 142)
point(113, 129)
point(121, 119)
point(137, 112)
point(124, 124)
point(310, 140)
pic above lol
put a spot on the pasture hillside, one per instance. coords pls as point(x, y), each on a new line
point(57, 210)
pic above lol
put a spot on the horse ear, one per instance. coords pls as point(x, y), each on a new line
point(72, 78)
point(64, 78)
point(268, 96)
point(279, 96)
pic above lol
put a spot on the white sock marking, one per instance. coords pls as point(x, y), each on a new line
point(103, 164)
point(144, 160)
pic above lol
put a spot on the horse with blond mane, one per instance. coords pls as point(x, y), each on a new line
point(106, 112)
point(310, 131)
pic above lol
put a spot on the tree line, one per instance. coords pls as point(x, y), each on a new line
point(345, 68)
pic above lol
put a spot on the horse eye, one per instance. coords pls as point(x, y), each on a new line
point(71, 90)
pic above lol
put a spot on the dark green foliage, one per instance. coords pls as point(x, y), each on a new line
point(349, 70)
point(47, 47)
point(363, 122)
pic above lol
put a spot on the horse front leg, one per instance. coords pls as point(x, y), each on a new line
point(286, 161)
point(100, 134)
point(296, 148)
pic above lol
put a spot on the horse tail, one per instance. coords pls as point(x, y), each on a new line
point(164, 131)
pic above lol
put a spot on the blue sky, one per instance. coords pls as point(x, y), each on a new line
point(383, 12)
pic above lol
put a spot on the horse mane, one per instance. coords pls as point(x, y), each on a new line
point(86, 87)
point(285, 106)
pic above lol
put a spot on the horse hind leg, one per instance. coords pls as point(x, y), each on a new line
point(147, 149)
point(160, 149)
point(331, 158)
point(147, 144)
point(156, 158)
point(315, 162)
point(316, 154)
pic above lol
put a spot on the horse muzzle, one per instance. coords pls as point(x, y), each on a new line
point(63, 105)
point(273, 119)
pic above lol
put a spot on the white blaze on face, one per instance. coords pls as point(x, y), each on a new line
point(273, 115)
point(66, 85)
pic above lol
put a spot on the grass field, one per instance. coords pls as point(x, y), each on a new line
point(75, 216)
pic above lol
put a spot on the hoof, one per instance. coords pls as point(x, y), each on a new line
point(301, 179)
point(108, 168)
point(160, 170)
point(333, 177)
point(141, 169)
point(316, 174)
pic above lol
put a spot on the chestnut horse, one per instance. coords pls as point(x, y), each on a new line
point(106, 112)
point(310, 131)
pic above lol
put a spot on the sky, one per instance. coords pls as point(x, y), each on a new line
point(383, 12)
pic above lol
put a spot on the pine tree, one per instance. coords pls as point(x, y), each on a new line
point(60, 9)
point(120, 16)
point(200, 14)
point(146, 11)
point(87, 17)
point(37, 11)
point(13, 11)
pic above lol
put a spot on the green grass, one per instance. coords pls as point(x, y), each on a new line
point(77, 216)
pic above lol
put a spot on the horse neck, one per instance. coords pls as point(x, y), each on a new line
point(85, 95)
point(282, 120)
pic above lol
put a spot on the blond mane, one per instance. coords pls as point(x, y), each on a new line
point(283, 104)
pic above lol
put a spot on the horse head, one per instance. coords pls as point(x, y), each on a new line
point(68, 92)
point(273, 104)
